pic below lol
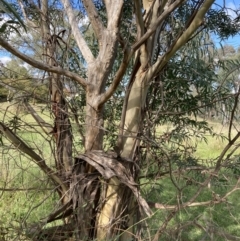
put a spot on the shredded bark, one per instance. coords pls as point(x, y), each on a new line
point(110, 166)
point(85, 194)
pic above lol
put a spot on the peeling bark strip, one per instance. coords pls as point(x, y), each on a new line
point(62, 127)
point(84, 192)
point(62, 132)
point(109, 167)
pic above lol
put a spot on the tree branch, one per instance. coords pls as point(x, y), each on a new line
point(23, 147)
point(94, 18)
point(25, 189)
point(108, 6)
point(154, 26)
point(216, 200)
point(40, 65)
point(196, 22)
point(117, 79)
point(82, 45)
point(31, 23)
point(139, 19)
point(44, 125)
point(114, 9)
point(195, 204)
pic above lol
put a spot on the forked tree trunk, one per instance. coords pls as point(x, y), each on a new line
point(114, 199)
point(102, 194)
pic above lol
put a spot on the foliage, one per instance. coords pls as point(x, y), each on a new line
point(16, 81)
point(221, 24)
point(7, 9)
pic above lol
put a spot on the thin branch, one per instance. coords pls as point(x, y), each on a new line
point(139, 19)
point(76, 118)
point(31, 23)
point(156, 10)
point(233, 112)
point(155, 25)
point(23, 147)
point(195, 204)
point(44, 125)
point(229, 73)
point(118, 77)
point(62, 210)
point(225, 150)
point(176, 208)
point(217, 200)
point(25, 189)
point(40, 65)
point(164, 225)
point(82, 45)
point(196, 22)
point(94, 18)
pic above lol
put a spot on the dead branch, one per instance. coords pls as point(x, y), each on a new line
point(23, 147)
point(39, 65)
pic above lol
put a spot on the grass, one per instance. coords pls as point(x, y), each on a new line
point(19, 208)
point(210, 222)
point(26, 194)
point(213, 146)
point(221, 218)
point(224, 217)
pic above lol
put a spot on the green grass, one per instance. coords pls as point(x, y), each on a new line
point(213, 146)
point(23, 207)
point(223, 218)
point(28, 195)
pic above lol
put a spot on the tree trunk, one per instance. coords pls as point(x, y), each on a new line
point(62, 132)
point(119, 211)
point(94, 124)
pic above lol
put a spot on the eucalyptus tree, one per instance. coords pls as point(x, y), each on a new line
point(135, 46)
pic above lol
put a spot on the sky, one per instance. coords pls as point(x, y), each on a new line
point(234, 41)
point(234, 5)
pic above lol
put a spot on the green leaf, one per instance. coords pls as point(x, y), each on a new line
point(7, 8)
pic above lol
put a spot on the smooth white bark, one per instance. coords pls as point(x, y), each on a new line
point(82, 45)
